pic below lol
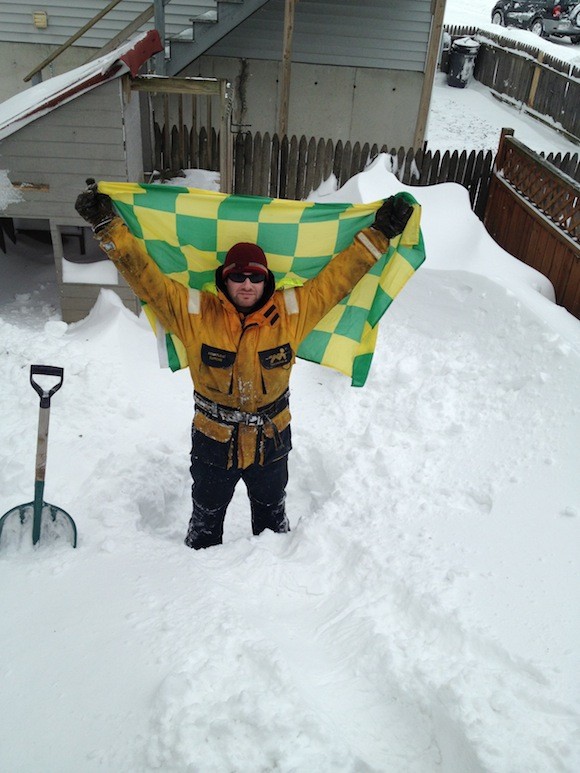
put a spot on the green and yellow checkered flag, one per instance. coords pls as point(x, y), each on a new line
point(188, 232)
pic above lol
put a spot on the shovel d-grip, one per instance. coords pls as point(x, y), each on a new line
point(45, 517)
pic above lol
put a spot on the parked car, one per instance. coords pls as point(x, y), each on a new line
point(544, 17)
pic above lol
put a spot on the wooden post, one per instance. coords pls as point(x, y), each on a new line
point(226, 140)
point(497, 167)
point(437, 11)
point(500, 155)
point(286, 61)
point(535, 79)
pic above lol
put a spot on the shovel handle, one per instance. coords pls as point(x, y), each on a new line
point(46, 370)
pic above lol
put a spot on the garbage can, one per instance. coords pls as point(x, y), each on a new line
point(462, 61)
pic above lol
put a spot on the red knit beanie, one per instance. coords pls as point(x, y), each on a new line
point(246, 258)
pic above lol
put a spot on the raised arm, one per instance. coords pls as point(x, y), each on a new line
point(167, 298)
point(318, 296)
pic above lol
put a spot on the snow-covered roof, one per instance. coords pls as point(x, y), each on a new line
point(22, 109)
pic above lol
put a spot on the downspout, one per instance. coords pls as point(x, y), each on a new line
point(437, 14)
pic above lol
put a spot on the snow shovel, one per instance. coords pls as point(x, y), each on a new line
point(48, 520)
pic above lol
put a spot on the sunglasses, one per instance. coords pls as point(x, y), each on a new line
point(255, 279)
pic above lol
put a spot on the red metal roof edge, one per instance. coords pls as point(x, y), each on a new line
point(143, 50)
point(78, 88)
point(134, 58)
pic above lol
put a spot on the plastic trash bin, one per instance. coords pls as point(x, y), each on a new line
point(462, 61)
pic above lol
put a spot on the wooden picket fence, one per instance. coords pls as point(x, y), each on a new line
point(177, 149)
point(292, 167)
point(568, 163)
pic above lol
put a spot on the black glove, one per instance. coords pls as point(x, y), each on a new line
point(94, 207)
point(391, 218)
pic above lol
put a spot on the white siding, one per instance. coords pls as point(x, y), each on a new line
point(66, 18)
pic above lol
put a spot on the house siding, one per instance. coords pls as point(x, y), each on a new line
point(368, 33)
point(357, 69)
point(346, 103)
point(82, 138)
point(96, 135)
point(65, 19)
point(380, 34)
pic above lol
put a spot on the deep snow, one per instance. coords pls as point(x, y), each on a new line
point(421, 616)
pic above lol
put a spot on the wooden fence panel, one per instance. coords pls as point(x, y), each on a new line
point(480, 197)
point(532, 212)
point(292, 166)
point(284, 155)
point(257, 154)
point(248, 160)
point(301, 168)
point(310, 162)
point(314, 162)
point(274, 188)
point(547, 85)
point(296, 166)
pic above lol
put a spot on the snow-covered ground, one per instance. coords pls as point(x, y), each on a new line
point(472, 119)
point(469, 118)
point(421, 616)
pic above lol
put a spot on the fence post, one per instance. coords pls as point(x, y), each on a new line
point(535, 80)
point(239, 164)
point(275, 168)
point(501, 149)
point(498, 165)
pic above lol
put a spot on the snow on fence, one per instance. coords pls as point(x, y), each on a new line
point(533, 213)
point(546, 87)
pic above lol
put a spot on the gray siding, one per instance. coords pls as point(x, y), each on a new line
point(384, 34)
point(18, 59)
point(368, 33)
point(85, 137)
point(66, 18)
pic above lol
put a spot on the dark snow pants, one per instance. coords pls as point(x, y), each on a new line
point(212, 491)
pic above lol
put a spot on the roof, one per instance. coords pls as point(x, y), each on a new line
point(22, 109)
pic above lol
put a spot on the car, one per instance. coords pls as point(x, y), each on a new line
point(560, 18)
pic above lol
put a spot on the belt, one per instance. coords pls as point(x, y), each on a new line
point(234, 416)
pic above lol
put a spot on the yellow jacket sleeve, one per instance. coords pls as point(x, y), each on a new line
point(319, 295)
point(166, 297)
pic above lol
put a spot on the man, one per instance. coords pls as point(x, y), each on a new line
point(241, 344)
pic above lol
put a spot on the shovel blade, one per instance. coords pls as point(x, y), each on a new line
point(56, 525)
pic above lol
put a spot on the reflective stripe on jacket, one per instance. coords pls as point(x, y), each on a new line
point(240, 361)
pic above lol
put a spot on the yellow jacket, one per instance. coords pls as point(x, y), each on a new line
point(240, 361)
